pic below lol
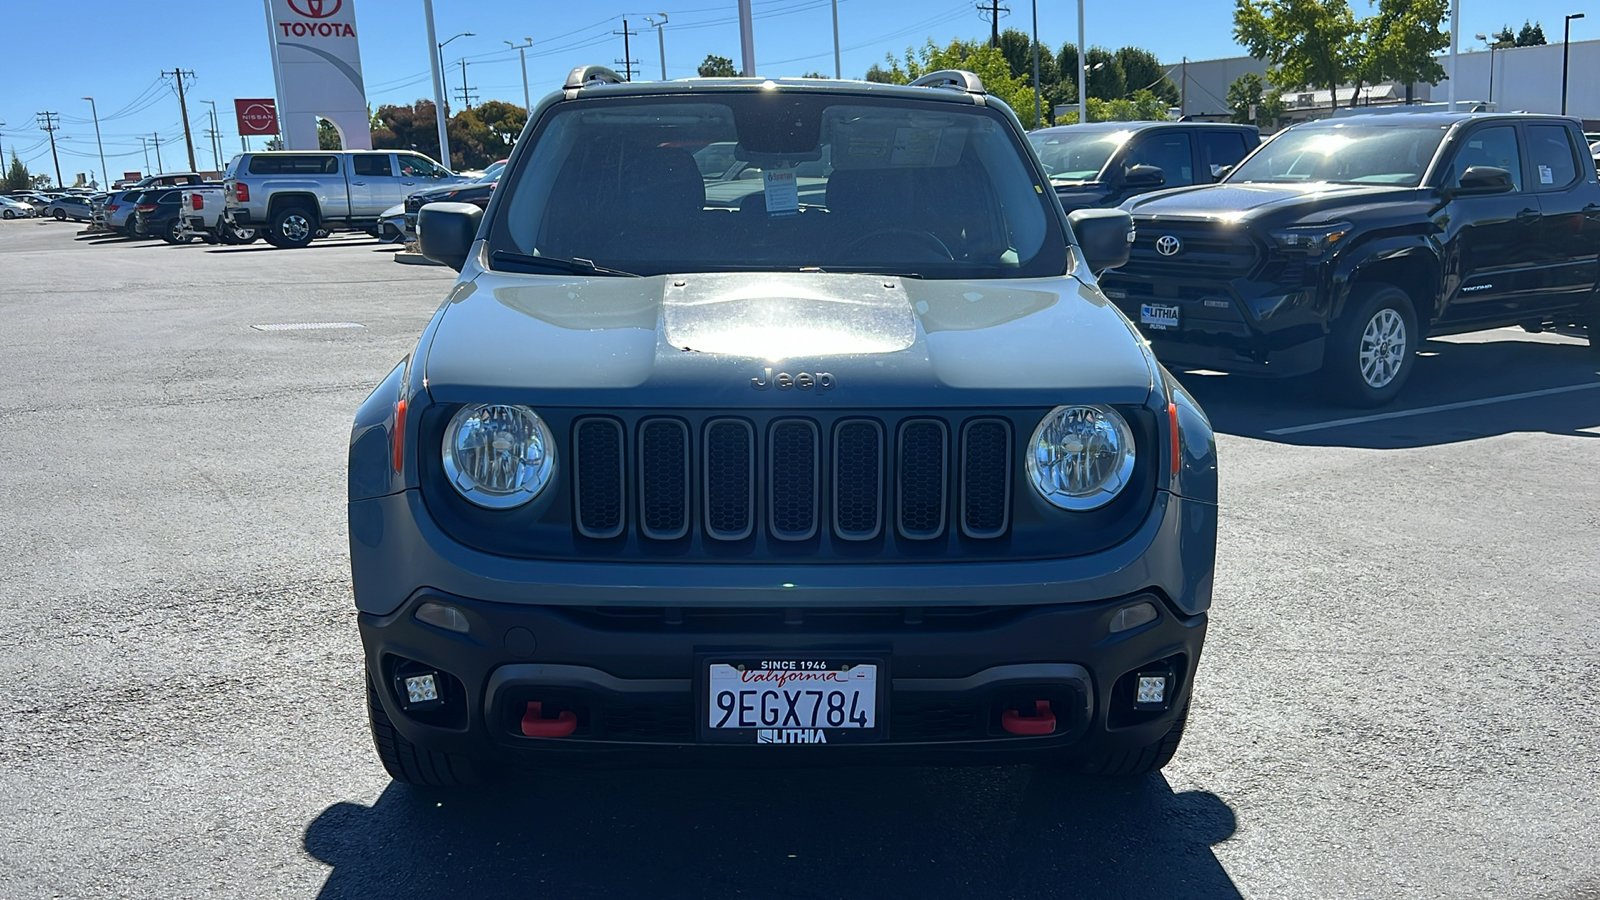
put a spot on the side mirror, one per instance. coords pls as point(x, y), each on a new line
point(1104, 235)
point(1144, 176)
point(1220, 172)
point(445, 232)
point(1482, 180)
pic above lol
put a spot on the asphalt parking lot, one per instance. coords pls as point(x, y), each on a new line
point(1397, 697)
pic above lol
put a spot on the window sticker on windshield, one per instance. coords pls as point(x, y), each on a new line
point(1546, 176)
point(866, 148)
point(783, 192)
point(915, 146)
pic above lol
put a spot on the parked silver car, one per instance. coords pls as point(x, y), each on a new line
point(16, 209)
point(69, 206)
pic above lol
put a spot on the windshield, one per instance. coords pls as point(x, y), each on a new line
point(1077, 155)
point(1391, 153)
point(781, 182)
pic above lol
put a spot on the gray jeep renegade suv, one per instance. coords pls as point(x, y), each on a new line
point(844, 459)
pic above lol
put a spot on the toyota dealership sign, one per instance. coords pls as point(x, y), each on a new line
point(318, 60)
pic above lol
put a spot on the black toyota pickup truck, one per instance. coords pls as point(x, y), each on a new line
point(1338, 245)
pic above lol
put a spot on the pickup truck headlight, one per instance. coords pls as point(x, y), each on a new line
point(498, 456)
point(1311, 239)
point(1081, 457)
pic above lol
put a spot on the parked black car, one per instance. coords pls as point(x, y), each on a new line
point(1341, 244)
point(156, 215)
point(1104, 163)
point(698, 475)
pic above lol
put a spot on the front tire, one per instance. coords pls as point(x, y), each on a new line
point(406, 762)
point(7, 214)
point(292, 227)
point(61, 215)
point(172, 234)
point(1372, 347)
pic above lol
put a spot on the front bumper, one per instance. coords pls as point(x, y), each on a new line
point(618, 644)
point(631, 677)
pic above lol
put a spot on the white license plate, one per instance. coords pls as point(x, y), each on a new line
point(1161, 316)
point(783, 700)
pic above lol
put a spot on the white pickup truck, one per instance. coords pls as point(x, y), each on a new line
point(201, 216)
point(291, 195)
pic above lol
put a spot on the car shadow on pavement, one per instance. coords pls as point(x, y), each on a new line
point(852, 832)
point(314, 245)
point(1561, 375)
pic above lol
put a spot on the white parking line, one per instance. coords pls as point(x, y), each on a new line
point(1426, 410)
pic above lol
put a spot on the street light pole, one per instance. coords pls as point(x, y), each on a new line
point(1083, 74)
point(838, 73)
point(441, 71)
point(661, 40)
point(1038, 96)
point(1566, 35)
point(747, 39)
point(216, 148)
point(1485, 39)
point(146, 148)
point(436, 63)
point(522, 51)
point(96, 113)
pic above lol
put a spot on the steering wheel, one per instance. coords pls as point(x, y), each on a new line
point(915, 239)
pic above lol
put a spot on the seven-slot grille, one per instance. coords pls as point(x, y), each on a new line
point(792, 478)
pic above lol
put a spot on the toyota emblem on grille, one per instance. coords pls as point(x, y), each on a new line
point(1167, 245)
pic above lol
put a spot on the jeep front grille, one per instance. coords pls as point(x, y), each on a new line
point(793, 477)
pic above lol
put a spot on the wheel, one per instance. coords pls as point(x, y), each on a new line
point(406, 762)
point(1139, 760)
point(173, 233)
point(61, 215)
point(1372, 348)
point(292, 227)
point(245, 235)
point(7, 214)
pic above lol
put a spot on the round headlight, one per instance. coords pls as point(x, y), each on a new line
point(1081, 456)
point(498, 456)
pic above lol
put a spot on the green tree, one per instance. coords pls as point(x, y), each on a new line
point(986, 62)
point(1067, 66)
point(1402, 40)
point(718, 67)
point(1251, 90)
point(17, 177)
point(1017, 48)
point(486, 132)
point(879, 75)
point(1145, 72)
point(410, 127)
point(328, 136)
point(1530, 35)
point(1306, 43)
point(1504, 38)
point(39, 182)
point(1107, 80)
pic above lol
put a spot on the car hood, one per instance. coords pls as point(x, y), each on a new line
point(730, 340)
point(1249, 202)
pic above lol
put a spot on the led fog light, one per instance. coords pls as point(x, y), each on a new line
point(423, 689)
point(1151, 691)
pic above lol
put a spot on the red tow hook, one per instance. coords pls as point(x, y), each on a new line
point(1043, 721)
point(534, 723)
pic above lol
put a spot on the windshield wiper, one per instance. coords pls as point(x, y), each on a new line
point(554, 264)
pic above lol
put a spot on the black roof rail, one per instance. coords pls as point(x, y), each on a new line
point(583, 76)
point(953, 80)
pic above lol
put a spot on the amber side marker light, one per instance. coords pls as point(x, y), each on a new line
point(399, 435)
point(1172, 422)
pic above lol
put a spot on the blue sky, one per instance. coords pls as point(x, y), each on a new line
point(225, 43)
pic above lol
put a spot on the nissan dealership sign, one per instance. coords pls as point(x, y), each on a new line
point(318, 58)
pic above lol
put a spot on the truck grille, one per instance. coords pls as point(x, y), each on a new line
point(1208, 250)
point(792, 477)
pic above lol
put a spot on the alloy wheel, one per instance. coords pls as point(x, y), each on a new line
point(1383, 348)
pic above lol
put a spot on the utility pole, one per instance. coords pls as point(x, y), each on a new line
point(96, 113)
point(747, 39)
point(183, 108)
point(992, 11)
point(1183, 95)
point(627, 61)
point(466, 92)
point(49, 125)
point(661, 41)
point(838, 73)
point(216, 146)
point(146, 148)
point(436, 62)
point(1038, 93)
point(3, 168)
point(522, 51)
point(160, 166)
